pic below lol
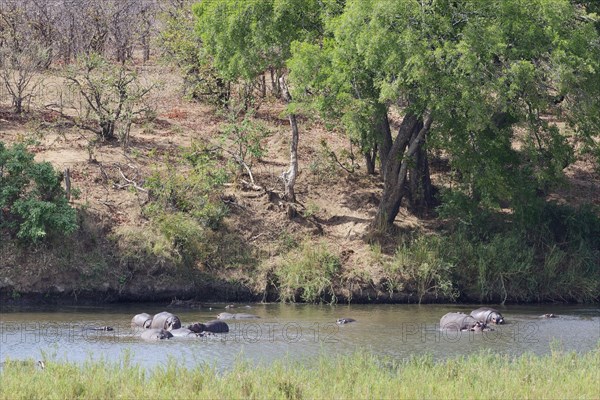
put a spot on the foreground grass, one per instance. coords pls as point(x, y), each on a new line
point(557, 375)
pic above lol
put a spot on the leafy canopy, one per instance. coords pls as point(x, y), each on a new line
point(32, 202)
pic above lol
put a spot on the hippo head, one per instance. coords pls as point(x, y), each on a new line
point(164, 334)
point(172, 322)
point(497, 319)
point(480, 327)
point(197, 327)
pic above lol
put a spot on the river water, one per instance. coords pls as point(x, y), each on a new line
point(291, 332)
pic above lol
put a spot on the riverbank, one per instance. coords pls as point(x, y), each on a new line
point(244, 243)
point(557, 375)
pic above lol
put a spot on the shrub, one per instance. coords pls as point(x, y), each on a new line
point(32, 202)
point(421, 264)
point(184, 210)
point(308, 273)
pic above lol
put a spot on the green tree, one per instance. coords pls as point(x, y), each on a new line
point(245, 39)
point(464, 75)
point(32, 202)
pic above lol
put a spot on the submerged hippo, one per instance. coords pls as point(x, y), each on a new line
point(182, 332)
point(226, 315)
point(142, 320)
point(156, 334)
point(343, 321)
point(488, 315)
point(549, 316)
point(99, 328)
point(462, 322)
point(165, 320)
point(214, 326)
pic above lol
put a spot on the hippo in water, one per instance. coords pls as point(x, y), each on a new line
point(488, 315)
point(142, 320)
point(343, 321)
point(462, 322)
point(156, 334)
point(225, 315)
point(165, 320)
point(214, 326)
point(182, 332)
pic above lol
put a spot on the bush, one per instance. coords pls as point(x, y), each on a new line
point(194, 187)
point(184, 210)
point(308, 273)
point(32, 202)
point(421, 265)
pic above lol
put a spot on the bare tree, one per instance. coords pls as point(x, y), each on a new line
point(19, 72)
point(112, 93)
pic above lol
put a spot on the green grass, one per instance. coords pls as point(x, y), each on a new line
point(363, 376)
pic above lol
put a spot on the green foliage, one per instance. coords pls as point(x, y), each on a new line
point(245, 38)
point(358, 375)
point(554, 258)
point(33, 205)
point(308, 273)
point(195, 192)
point(185, 209)
point(246, 137)
point(182, 46)
point(487, 72)
point(420, 266)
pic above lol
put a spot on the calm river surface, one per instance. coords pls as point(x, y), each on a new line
point(294, 332)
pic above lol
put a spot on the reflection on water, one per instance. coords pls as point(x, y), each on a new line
point(294, 332)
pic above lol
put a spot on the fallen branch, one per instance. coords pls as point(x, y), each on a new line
point(130, 182)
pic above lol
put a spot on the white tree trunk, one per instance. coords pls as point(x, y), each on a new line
point(289, 176)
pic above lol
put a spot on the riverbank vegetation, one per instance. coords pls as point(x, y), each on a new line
point(484, 375)
point(317, 151)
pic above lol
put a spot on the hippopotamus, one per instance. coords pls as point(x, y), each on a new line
point(549, 316)
point(487, 315)
point(99, 328)
point(214, 326)
point(226, 315)
point(156, 334)
point(343, 321)
point(182, 332)
point(462, 322)
point(142, 320)
point(165, 320)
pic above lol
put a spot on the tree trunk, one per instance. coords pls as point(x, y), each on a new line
point(18, 105)
point(370, 158)
point(385, 139)
point(396, 163)
point(108, 130)
point(420, 190)
point(289, 176)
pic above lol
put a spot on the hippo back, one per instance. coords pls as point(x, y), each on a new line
point(182, 332)
point(155, 334)
point(142, 320)
point(165, 320)
point(457, 321)
point(487, 315)
point(214, 326)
